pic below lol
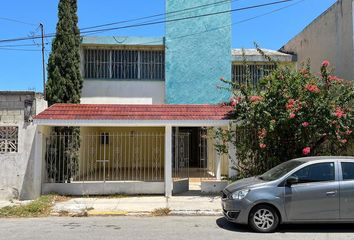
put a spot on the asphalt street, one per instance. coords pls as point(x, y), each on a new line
point(158, 228)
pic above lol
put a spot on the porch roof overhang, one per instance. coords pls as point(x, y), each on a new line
point(134, 115)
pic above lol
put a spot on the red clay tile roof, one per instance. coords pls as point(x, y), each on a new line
point(134, 112)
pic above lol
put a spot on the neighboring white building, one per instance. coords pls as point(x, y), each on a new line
point(17, 144)
point(328, 37)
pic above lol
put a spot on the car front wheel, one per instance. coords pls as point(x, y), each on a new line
point(263, 219)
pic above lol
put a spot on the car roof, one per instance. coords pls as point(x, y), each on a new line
point(319, 158)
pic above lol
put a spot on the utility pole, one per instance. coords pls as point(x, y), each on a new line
point(43, 61)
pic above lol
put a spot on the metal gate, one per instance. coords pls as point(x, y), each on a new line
point(181, 155)
point(105, 156)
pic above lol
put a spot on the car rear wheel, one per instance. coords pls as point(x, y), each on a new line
point(264, 219)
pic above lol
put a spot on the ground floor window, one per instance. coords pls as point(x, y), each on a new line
point(8, 139)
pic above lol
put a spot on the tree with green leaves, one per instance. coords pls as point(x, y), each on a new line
point(64, 79)
point(289, 114)
point(64, 86)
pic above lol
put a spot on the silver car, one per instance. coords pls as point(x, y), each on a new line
point(304, 190)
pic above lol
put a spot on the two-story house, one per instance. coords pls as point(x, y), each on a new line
point(148, 108)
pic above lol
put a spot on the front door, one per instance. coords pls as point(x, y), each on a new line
point(316, 196)
point(181, 159)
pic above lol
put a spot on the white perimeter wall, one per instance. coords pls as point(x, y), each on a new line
point(329, 37)
point(123, 92)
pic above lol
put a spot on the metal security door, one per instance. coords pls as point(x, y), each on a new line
point(181, 155)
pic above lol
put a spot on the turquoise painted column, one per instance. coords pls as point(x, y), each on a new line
point(198, 52)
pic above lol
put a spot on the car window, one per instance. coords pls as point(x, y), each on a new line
point(348, 170)
point(319, 172)
point(280, 170)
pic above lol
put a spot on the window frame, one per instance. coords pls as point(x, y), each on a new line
point(259, 68)
point(124, 64)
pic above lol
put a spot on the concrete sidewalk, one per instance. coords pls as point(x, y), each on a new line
point(8, 203)
point(144, 205)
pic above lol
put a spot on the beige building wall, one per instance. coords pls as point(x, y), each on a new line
point(329, 37)
point(127, 148)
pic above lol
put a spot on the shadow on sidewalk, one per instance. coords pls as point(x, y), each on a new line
point(291, 228)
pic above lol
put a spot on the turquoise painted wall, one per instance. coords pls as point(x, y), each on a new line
point(198, 53)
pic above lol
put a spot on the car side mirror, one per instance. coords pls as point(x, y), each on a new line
point(292, 180)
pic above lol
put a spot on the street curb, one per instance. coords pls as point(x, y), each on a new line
point(96, 213)
point(195, 213)
point(106, 213)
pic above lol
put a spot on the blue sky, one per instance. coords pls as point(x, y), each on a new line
point(21, 70)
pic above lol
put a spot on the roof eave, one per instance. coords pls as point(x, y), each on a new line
point(259, 58)
point(131, 123)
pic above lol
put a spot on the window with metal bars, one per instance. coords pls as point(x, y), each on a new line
point(8, 139)
point(124, 64)
point(252, 75)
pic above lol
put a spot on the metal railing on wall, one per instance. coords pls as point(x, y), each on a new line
point(251, 74)
point(124, 64)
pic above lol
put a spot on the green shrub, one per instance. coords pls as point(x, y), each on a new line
point(289, 114)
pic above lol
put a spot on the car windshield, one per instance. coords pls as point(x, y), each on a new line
point(280, 170)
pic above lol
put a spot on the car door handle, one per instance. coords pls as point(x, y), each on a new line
point(331, 193)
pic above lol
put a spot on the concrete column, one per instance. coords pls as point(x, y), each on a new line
point(168, 161)
point(38, 163)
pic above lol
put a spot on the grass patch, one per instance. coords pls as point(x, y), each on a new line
point(40, 207)
point(158, 212)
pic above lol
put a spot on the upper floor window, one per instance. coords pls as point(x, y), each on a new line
point(124, 64)
point(250, 74)
point(8, 139)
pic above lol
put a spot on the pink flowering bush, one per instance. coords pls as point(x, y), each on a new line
point(289, 114)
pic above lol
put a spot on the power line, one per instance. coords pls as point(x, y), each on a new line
point(154, 23)
point(161, 14)
point(17, 21)
point(22, 45)
point(268, 13)
point(217, 28)
point(146, 17)
point(183, 36)
point(191, 17)
point(229, 25)
point(21, 49)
